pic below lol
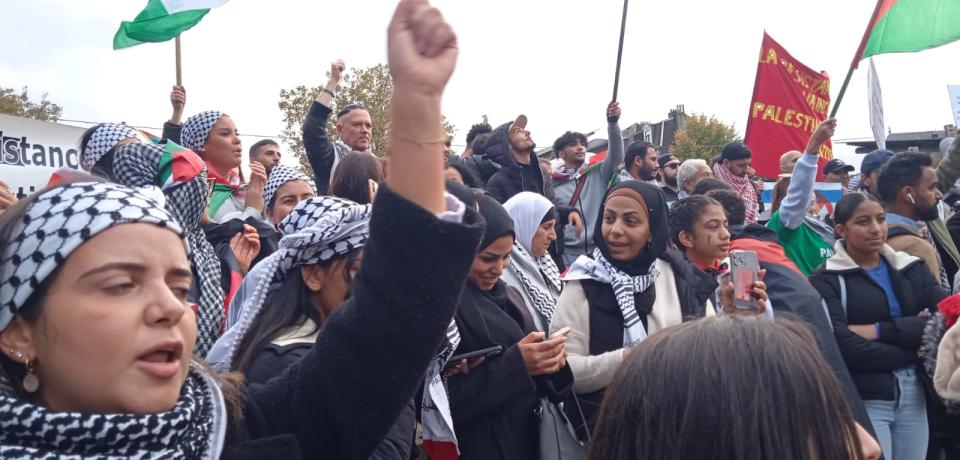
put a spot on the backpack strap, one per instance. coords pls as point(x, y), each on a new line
point(843, 293)
point(581, 181)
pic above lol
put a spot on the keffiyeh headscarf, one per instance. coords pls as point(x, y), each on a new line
point(56, 224)
point(197, 128)
point(182, 177)
point(318, 230)
point(743, 187)
point(104, 139)
point(629, 278)
point(279, 175)
point(539, 276)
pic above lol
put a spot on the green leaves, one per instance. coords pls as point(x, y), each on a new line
point(702, 137)
point(19, 104)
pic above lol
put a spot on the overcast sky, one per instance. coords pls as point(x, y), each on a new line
point(551, 60)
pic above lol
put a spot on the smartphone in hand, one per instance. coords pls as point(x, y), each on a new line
point(744, 270)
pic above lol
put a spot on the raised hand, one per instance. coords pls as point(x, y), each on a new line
point(421, 48)
point(613, 112)
point(178, 99)
point(336, 70)
point(823, 133)
point(258, 180)
point(245, 246)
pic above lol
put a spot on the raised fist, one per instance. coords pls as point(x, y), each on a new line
point(421, 48)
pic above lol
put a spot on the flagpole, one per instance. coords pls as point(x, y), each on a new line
point(858, 56)
point(179, 72)
point(623, 29)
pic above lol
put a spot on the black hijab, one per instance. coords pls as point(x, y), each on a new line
point(498, 221)
point(656, 207)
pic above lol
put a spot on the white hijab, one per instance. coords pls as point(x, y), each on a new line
point(537, 278)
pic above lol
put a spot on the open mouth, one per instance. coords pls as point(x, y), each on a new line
point(162, 360)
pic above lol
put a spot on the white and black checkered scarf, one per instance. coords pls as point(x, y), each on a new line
point(53, 226)
point(197, 128)
point(104, 139)
point(279, 175)
point(138, 165)
point(318, 230)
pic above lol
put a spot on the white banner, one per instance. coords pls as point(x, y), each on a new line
point(876, 107)
point(31, 150)
point(954, 91)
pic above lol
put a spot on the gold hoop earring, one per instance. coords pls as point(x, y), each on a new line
point(30, 381)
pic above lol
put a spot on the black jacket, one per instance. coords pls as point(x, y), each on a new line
point(494, 405)
point(791, 293)
point(320, 149)
point(872, 362)
point(513, 177)
point(341, 399)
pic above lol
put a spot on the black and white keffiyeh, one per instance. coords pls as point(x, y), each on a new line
point(279, 175)
point(538, 278)
point(183, 178)
point(103, 139)
point(625, 287)
point(57, 223)
point(193, 429)
point(196, 129)
point(331, 227)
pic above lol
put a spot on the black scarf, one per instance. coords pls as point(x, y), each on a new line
point(193, 429)
point(498, 222)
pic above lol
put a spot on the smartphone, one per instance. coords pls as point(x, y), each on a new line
point(485, 352)
point(744, 267)
point(562, 332)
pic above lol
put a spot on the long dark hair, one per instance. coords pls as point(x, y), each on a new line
point(847, 205)
point(757, 390)
point(288, 307)
point(351, 179)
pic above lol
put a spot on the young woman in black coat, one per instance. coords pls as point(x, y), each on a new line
point(107, 270)
point(494, 404)
point(879, 302)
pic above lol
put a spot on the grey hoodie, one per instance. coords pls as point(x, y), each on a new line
point(594, 190)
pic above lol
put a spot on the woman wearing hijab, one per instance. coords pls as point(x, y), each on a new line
point(107, 269)
point(494, 405)
point(630, 287)
point(531, 270)
point(181, 176)
point(213, 135)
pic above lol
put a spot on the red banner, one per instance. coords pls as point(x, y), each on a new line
point(789, 101)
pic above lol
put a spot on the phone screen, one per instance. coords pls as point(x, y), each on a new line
point(745, 267)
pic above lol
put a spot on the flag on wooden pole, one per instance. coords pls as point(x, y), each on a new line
point(162, 20)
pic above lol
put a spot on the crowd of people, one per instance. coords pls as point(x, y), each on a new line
point(487, 304)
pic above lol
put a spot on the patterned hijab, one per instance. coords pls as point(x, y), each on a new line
point(197, 128)
point(317, 230)
point(279, 175)
point(104, 139)
point(183, 179)
point(55, 224)
point(628, 278)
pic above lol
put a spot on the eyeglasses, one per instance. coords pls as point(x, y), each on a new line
point(671, 166)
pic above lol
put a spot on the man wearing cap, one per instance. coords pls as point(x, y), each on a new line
point(354, 129)
point(669, 166)
point(512, 147)
point(837, 172)
point(870, 169)
point(733, 167)
point(805, 240)
point(582, 186)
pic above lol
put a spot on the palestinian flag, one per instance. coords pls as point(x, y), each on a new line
point(903, 26)
point(162, 20)
point(148, 137)
point(178, 165)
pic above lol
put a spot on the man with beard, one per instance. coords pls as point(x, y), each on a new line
point(669, 165)
point(909, 189)
point(640, 163)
